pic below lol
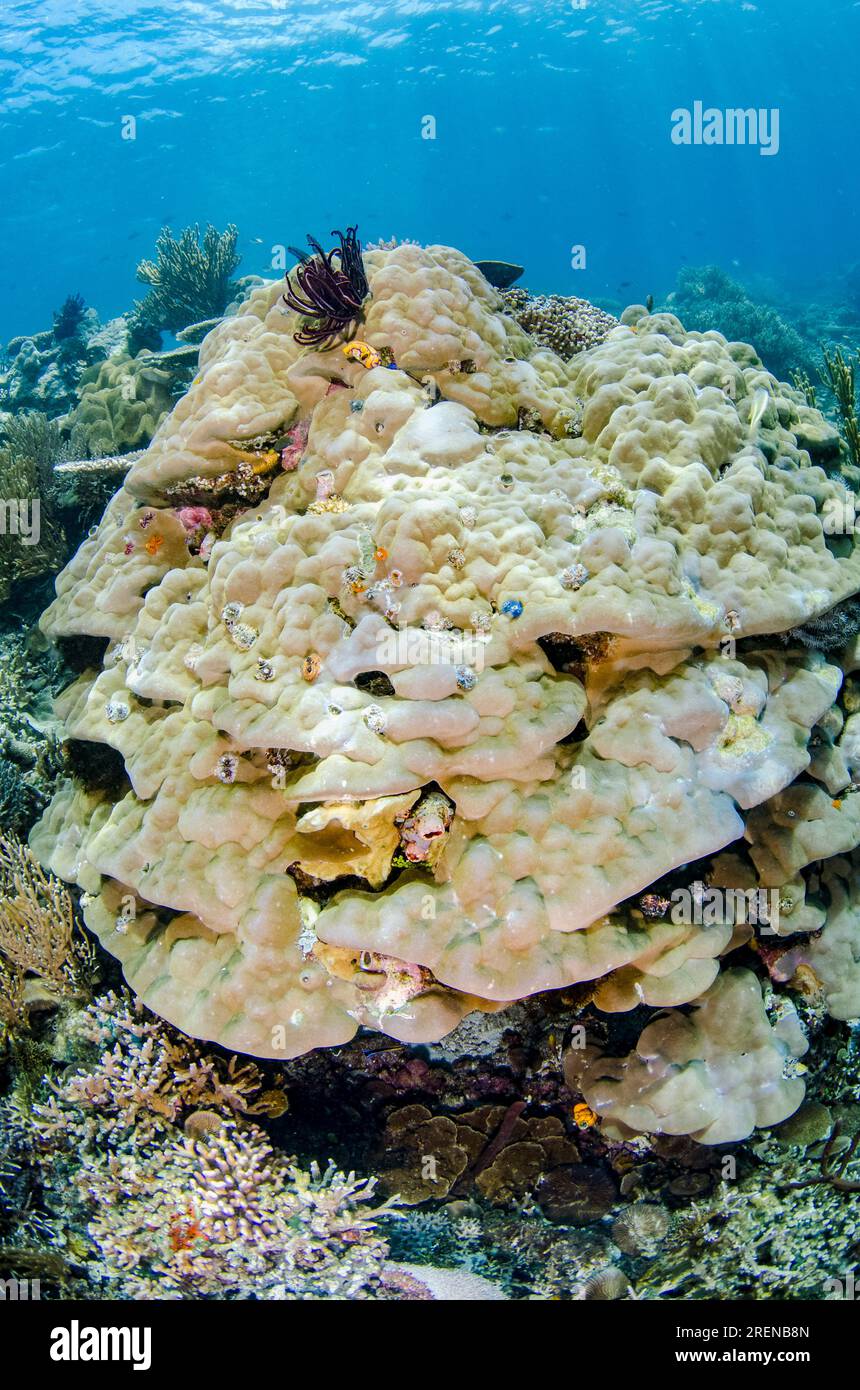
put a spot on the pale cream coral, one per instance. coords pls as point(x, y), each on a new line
point(447, 592)
point(715, 1073)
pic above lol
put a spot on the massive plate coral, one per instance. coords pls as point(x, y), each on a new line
point(421, 662)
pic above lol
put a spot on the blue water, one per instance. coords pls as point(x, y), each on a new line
point(552, 130)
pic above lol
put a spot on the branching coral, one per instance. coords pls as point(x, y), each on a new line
point(46, 956)
point(146, 1080)
point(840, 374)
point(565, 324)
point(184, 1197)
point(225, 1216)
point(189, 280)
point(333, 287)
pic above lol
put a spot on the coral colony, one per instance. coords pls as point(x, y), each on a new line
point(464, 682)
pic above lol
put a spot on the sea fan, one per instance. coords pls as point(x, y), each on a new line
point(333, 288)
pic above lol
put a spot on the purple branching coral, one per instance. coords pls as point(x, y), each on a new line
point(333, 288)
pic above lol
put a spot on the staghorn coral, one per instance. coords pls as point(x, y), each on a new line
point(419, 584)
point(189, 280)
point(147, 1148)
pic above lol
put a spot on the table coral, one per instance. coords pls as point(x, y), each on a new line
point(422, 581)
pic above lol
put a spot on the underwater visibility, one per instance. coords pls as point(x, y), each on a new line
point(430, 660)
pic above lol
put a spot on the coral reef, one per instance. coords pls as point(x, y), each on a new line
point(708, 298)
point(839, 372)
point(30, 757)
point(759, 1236)
point(32, 541)
point(715, 1074)
point(142, 1080)
point(223, 1216)
point(492, 1150)
point(148, 1150)
point(42, 371)
point(565, 324)
point(190, 280)
point(121, 403)
point(468, 646)
point(83, 487)
point(45, 956)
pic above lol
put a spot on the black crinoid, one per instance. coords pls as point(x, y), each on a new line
point(333, 288)
point(68, 318)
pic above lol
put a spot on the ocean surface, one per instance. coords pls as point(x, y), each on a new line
point(552, 130)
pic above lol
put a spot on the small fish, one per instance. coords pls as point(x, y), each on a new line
point(760, 403)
